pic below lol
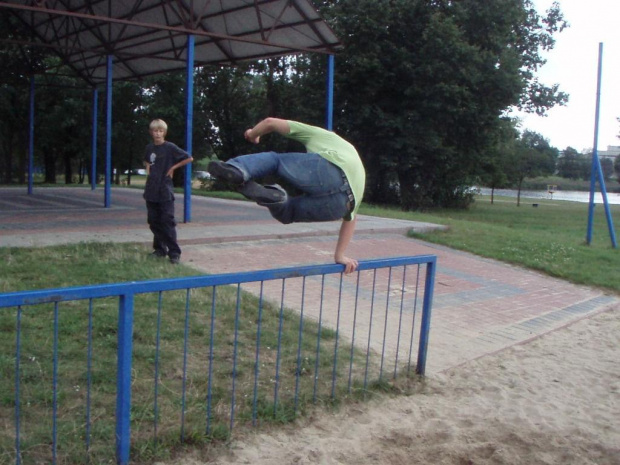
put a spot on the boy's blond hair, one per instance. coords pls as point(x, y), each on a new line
point(158, 124)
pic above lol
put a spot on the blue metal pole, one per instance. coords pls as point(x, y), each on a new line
point(189, 116)
point(123, 378)
point(610, 223)
point(31, 137)
point(93, 167)
point(596, 169)
point(594, 166)
point(425, 328)
point(108, 135)
point(329, 123)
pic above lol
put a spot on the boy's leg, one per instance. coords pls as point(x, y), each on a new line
point(321, 181)
point(154, 222)
point(309, 208)
point(169, 231)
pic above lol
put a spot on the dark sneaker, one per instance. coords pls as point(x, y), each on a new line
point(157, 254)
point(175, 260)
point(262, 194)
point(225, 172)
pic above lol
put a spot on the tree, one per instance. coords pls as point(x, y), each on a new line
point(495, 164)
point(422, 86)
point(573, 165)
point(532, 157)
point(607, 166)
point(617, 168)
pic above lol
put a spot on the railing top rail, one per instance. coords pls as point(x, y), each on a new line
point(35, 297)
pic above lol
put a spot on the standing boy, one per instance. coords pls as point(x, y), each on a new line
point(330, 175)
point(161, 158)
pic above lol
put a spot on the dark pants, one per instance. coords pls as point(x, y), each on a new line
point(160, 216)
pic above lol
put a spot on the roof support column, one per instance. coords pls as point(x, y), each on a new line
point(329, 117)
point(108, 135)
point(189, 118)
point(31, 137)
point(93, 166)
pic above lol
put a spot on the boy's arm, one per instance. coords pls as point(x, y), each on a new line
point(183, 162)
point(267, 126)
point(347, 228)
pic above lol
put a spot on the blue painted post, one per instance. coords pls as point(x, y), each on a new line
point(596, 169)
point(425, 328)
point(329, 123)
point(18, 348)
point(594, 149)
point(189, 117)
point(108, 135)
point(31, 137)
point(93, 157)
point(123, 377)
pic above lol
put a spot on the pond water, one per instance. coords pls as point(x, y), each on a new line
point(574, 196)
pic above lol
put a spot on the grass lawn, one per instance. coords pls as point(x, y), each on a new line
point(548, 238)
point(303, 366)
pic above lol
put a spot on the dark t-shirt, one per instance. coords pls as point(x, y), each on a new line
point(161, 158)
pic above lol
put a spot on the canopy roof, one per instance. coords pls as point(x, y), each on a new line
point(147, 37)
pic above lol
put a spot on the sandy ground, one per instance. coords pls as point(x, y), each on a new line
point(554, 400)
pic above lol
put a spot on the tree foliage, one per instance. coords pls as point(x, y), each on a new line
point(573, 165)
point(533, 156)
point(422, 88)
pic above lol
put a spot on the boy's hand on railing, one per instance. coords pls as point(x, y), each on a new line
point(350, 264)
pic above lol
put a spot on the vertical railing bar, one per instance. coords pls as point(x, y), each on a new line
point(357, 288)
point(400, 318)
point(425, 324)
point(415, 308)
point(278, 353)
point(55, 387)
point(257, 359)
point(211, 345)
point(372, 306)
point(18, 346)
point(184, 381)
point(157, 354)
point(385, 323)
point(335, 367)
point(318, 341)
point(299, 341)
point(89, 366)
point(234, 370)
point(123, 377)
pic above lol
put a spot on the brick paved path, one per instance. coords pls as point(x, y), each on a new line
point(480, 306)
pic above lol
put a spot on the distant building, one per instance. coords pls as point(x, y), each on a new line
point(612, 152)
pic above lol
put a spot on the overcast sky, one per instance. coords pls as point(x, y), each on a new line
point(573, 64)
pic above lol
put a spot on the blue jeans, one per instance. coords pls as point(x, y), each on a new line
point(324, 197)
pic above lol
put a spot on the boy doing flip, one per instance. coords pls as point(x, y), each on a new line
point(330, 176)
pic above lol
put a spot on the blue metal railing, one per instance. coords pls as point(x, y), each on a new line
point(350, 316)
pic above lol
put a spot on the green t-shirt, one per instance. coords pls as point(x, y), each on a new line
point(336, 150)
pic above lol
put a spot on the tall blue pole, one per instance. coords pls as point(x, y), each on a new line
point(108, 135)
point(189, 118)
point(329, 117)
point(93, 156)
point(31, 137)
point(596, 169)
